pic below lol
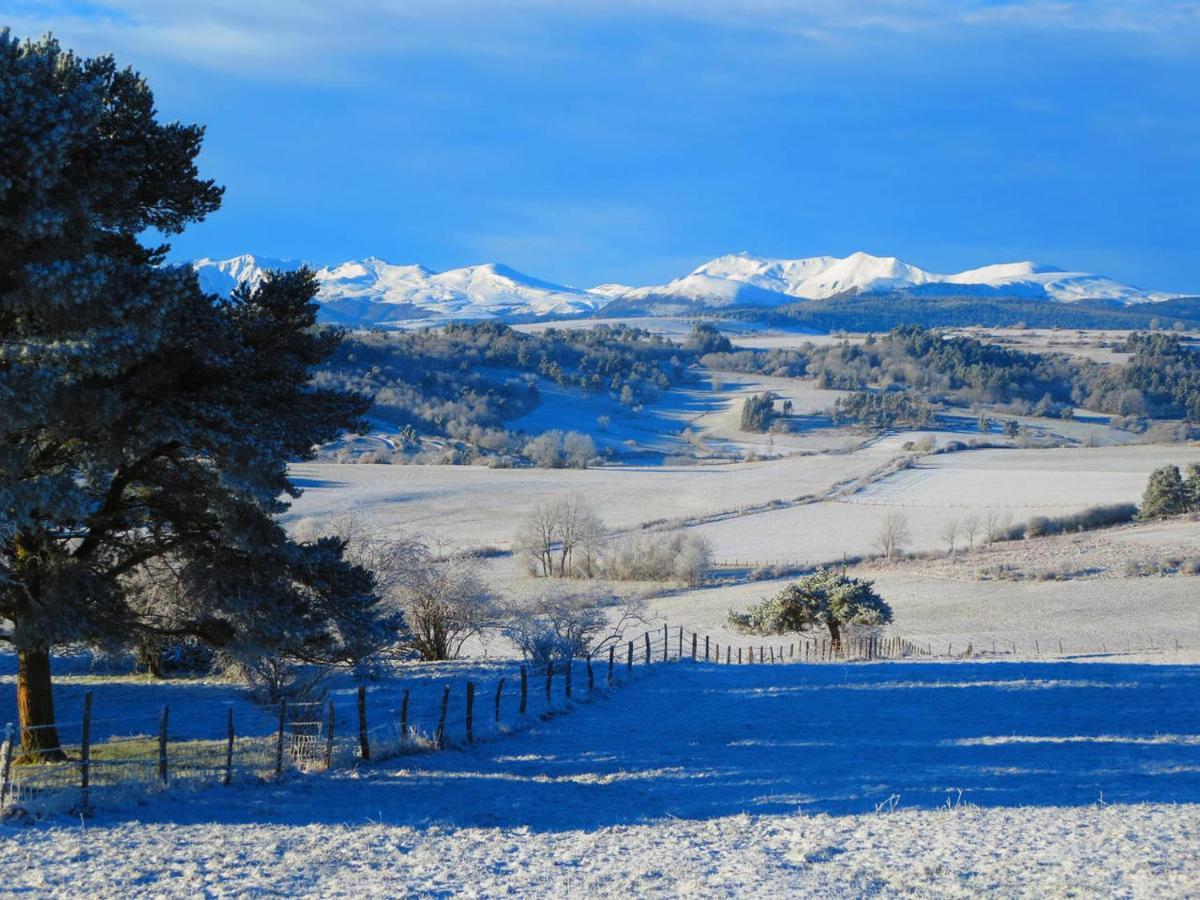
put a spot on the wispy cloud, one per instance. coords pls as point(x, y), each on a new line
point(306, 39)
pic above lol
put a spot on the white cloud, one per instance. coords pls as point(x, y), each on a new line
point(320, 40)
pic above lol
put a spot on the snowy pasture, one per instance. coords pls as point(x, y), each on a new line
point(1010, 484)
point(1110, 619)
point(478, 506)
point(928, 779)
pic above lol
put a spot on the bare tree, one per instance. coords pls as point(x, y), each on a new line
point(657, 556)
point(893, 534)
point(950, 532)
point(561, 624)
point(546, 450)
point(991, 527)
point(578, 449)
point(561, 537)
point(445, 603)
point(440, 592)
point(970, 529)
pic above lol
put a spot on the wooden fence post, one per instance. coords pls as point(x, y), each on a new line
point(470, 712)
point(706, 649)
point(570, 667)
point(679, 655)
point(499, 692)
point(739, 656)
point(667, 640)
point(441, 729)
point(694, 646)
point(162, 744)
point(404, 718)
point(85, 757)
point(524, 690)
point(591, 676)
point(612, 652)
point(549, 681)
point(329, 737)
point(364, 743)
point(629, 660)
point(647, 636)
point(728, 654)
point(279, 739)
point(228, 777)
point(6, 764)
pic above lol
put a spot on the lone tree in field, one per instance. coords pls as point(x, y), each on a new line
point(1168, 494)
point(826, 599)
point(146, 426)
point(893, 534)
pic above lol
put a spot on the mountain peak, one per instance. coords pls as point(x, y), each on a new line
point(372, 291)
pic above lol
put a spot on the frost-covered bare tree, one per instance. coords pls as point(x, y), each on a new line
point(562, 623)
point(446, 601)
point(657, 556)
point(556, 449)
point(578, 449)
point(970, 529)
point(561, 537)
point(892, 535)
point(950, 533)
point(439, 593)
point(546, 450)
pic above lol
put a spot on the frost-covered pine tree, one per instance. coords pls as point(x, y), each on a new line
point(1166, 494)
point(825, 599)
point(142, 420)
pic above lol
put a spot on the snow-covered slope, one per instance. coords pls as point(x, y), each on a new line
point(373, 292)
point(221, 276)
point(724, 281)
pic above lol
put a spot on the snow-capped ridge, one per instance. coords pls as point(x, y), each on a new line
point(373, 291)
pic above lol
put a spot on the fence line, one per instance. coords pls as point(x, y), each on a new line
point(305, 737)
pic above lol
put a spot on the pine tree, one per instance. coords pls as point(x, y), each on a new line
point(1165, 495)
point(826, 599)
point(1191, 483)
point(145, 423)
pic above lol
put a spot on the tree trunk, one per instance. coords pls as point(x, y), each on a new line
point(835, 637)
point(35, 708)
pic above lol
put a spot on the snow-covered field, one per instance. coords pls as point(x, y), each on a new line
point(1111, 619)
point(1012, 484)
point(1015, 775)
point(475, 505)
point(927, 779)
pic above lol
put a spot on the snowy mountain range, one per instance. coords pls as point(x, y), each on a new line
point(374, 292)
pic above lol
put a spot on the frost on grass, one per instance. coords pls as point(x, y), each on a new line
point(1021, 779)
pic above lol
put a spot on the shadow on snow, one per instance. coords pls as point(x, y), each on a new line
point(700, 741)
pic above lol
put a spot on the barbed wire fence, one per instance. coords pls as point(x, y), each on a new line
point(110, 761)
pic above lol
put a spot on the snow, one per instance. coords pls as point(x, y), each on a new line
point(1102, 619)
point(725, 280)
point(373, 291)
point(949, 779)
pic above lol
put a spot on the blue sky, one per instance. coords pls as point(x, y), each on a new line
point(605, 140)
